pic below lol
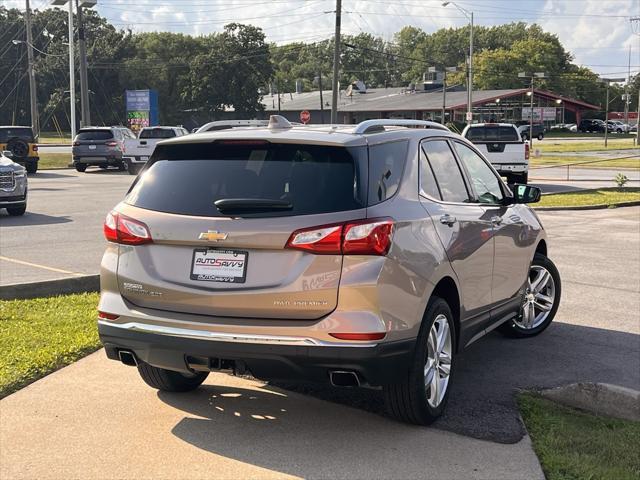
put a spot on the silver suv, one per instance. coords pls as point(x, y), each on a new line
point(364, 255)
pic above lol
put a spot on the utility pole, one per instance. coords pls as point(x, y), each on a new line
point(85, 118)
point(336, 65)
point(606, 108)
point(35, 124)
point(321, 99)
point(444, 87)
point(72, 73)
point(627, 99)
point(531, 92)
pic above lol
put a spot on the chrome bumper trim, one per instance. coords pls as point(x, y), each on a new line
point(230, 337)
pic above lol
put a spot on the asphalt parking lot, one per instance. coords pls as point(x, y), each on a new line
point(104, 418)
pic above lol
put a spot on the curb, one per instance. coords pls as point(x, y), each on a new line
point(50, 288)
point(588, 207)
point(598, 398)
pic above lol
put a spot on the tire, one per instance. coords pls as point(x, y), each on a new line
point(17, 211)
point(521, 178)
point(32, 167)
point(121, 167)
point(517, 328)
point(133, 169)
point(168, 380)
point(540, 136)
point(409, 400)
point(81, 167)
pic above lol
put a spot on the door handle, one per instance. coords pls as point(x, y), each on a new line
point(496, 220)
point(447, 219)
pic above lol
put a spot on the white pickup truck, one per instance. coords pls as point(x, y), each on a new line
point(502, 145)
point(138, 150)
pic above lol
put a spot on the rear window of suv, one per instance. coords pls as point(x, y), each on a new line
point(94, 135)
point(25, 134)
point(491, 133)
point(157, 133)
point(188, 178)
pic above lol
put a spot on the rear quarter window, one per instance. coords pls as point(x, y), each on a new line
point(94, 135)
point(386, 164)
point(492, 133)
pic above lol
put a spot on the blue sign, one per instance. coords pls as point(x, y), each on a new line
point(138, 100)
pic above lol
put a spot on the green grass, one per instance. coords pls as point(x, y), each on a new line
point(632, 162)
point(575, 445)
point(601, 196)
point(549, 145)
point(566, 134)
point(53, 137)
point(54, 160)
point(41, 335)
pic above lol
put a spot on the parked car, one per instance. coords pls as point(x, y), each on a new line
point(538, 131)
point(502, 145)
point(573, 128)
point(616, 126)
point(138, 150)
point(21, 142)
point(98, 146)
point(13, 185)
point(360, 255)
point(591, 125)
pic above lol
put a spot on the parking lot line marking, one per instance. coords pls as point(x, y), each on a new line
point(37, 265)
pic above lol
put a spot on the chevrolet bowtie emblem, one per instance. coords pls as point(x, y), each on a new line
point(213, 236)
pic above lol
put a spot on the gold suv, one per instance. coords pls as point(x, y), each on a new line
point(21, 142)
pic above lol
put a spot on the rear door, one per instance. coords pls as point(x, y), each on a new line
point(462, 225)
point(232, 261)
point(95, 143)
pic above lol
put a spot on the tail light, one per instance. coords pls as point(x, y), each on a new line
point(111, 144)
point(124, 230)
point(75, 144)
point(526, 151)
point(107, 315)
point(35, 148)
point(359, 336)
point(362, 237)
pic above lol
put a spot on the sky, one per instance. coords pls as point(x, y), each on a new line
point(598, 33)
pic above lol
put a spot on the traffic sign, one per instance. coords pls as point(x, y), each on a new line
point(469, 116)
point(305, 116)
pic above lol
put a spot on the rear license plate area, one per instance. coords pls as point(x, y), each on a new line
point(219, 265)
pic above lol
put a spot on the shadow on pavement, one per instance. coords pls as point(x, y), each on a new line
point(30, 219)
point(42, 174)
point(556, 188)
point(482, 401)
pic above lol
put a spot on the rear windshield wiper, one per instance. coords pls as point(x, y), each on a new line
point(251, 204)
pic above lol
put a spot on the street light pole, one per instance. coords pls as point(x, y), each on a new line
point(72, 76)
point(35, 124)
point(85, 118)
point(469, 16)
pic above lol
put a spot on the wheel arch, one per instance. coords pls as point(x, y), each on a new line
point(447, 289)
point(541, 248)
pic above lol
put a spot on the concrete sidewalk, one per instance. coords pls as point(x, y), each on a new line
point(96, 419)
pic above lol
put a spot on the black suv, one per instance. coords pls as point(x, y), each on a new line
point(591, 125)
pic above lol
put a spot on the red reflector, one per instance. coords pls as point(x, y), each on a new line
point(118, 228)
point(526, 151)
point(359, 336)
point(111, 144)
point(107, 316)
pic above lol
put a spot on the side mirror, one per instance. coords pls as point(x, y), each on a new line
point(526, 194)
point(7, 153)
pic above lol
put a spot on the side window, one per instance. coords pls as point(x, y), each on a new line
point(485, 182)
point(386, 163)
point(446, 170)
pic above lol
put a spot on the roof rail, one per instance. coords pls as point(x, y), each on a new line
point(368, 126)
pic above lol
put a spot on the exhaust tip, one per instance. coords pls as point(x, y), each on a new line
point(128, 358)
point(341, 378)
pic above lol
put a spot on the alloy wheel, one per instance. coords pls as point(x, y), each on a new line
point(539, 298)
point(437, 368)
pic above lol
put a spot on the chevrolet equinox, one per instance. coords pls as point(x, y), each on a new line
point(358, 255)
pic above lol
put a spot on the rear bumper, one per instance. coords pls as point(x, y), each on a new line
point(511, 167)
point(13, 200)
point(142, 159)
point(375, 365)
point(97, 160)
